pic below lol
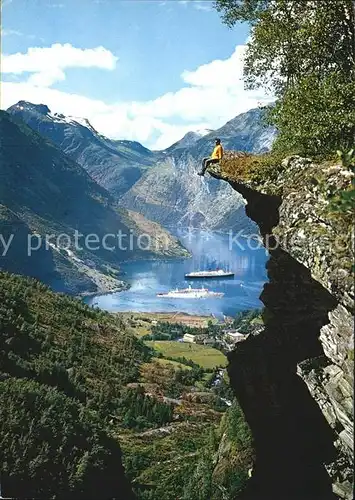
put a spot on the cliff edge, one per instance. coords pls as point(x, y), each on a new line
point(294, 380)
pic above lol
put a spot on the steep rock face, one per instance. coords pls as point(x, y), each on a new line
point(294, 380)
point(172, 193)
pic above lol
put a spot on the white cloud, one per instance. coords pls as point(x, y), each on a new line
point(203, 5)
point(48, 63)
point(173, 133)
point(58, 101)
point(215, 93)
point(206, 5)
point(10, 32)
point(212, 94)
point(220, 73)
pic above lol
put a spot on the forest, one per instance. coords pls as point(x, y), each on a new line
point(81, 394)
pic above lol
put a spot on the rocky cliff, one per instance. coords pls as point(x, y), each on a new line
point(174, 196)
point(294, 380)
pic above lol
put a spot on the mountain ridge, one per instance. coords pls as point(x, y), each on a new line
point(189, 139)
point(57, 198)
point(115, 165)
point(162, 185)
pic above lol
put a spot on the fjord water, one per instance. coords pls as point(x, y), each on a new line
point(210, 250)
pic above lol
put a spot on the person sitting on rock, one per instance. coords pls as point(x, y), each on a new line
point(217, 155)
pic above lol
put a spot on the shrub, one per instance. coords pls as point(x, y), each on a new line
point(247, 167)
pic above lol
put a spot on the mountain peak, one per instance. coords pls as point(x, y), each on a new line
point(203, 131)
point(38, 110)
point(116, 165)
point(42, 109)
point(189, 139)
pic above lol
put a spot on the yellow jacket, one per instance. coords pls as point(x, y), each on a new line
point(217, 153)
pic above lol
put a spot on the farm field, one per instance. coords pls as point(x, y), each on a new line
point(205, 356)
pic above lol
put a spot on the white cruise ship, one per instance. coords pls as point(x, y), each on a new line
point(190, 293)
point(218, 273)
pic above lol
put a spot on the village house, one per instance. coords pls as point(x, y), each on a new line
point(188, 337)
point(235, 336)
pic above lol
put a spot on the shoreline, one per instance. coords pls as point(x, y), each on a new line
point(122, 285)
point(99, 293)
point(164, 313)
point(118, 284)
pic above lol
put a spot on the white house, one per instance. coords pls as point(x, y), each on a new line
point(189, 338)
point(236, 336)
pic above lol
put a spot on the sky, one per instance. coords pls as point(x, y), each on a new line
point(145, 70)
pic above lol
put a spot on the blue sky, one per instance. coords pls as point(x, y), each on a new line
point(143, 70)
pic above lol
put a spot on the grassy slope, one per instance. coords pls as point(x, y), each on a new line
point(205, 356)
point(174, 364)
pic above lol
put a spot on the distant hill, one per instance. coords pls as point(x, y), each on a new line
point(44, 192)
point(245, 132)
point(115, 165)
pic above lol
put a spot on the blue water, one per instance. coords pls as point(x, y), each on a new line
point(210, 250)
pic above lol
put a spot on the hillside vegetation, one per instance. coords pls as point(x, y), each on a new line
point(304, 53)
point(76, 383)
point(62, 368)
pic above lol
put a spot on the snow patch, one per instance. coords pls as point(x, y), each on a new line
point(203, 131)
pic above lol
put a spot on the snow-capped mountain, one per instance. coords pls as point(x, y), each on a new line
point(161, 185)
point(115, 165)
